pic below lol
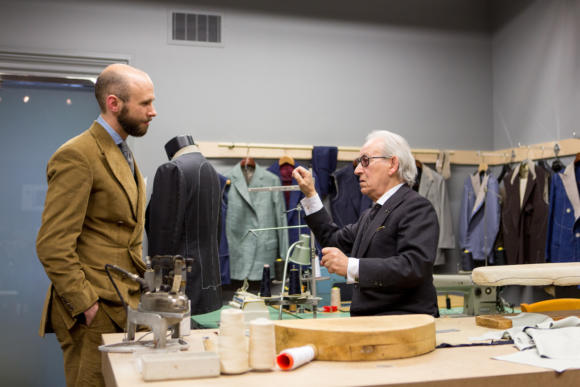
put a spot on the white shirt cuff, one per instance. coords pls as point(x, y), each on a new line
point(352, 271)
point(311, 204)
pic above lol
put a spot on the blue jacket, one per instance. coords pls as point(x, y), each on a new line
point(479, 216)
point(347, 203)
point(563, 239)
point(324, 160)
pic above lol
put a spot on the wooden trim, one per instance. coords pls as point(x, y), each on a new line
point(568, 147)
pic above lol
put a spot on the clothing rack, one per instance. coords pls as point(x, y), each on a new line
point(546, 150)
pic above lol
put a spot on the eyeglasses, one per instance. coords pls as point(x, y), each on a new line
point(365, 160)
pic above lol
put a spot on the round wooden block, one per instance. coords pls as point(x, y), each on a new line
point(360, 338)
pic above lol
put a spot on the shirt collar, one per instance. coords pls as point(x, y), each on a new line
point(387, 195)
point(116, 137)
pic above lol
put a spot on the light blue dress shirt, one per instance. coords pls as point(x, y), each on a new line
point(116, 137)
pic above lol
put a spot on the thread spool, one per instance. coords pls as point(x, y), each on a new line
point(262, 344)
point(265, 290)
point(232, 344)
point(278, 269)
point(294, 285)
point(335, 297)
point(292, 358)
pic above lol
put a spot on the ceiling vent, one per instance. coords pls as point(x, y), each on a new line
point(195, 28)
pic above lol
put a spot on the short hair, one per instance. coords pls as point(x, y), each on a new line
point(111, 82)
point(395, 145)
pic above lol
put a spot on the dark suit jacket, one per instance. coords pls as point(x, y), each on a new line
point(396, 253)
point(183, 219)
point(525, 227)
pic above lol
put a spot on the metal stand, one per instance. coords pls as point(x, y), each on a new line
point(308, 299)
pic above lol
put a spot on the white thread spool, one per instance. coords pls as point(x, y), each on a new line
point(335, 297)
point(292, 358)
point(262, 344)
point(233, 345)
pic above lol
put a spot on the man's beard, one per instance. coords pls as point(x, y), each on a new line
point(130, 125)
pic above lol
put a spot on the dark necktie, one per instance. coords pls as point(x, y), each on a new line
point(374, 211)
point(362, 233)
point(128, 156)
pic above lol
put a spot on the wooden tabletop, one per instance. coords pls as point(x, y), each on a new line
point(449, 367)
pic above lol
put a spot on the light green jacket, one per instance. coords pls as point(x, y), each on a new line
point(249, 252)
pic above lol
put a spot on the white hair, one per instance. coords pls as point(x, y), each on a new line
point(395, 145)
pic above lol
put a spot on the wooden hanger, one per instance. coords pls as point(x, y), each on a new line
point(286, 160)
point(482, 167)
point(248, 162)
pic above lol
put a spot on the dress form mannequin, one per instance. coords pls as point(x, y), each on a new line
point(179, 145)
point(183, 219)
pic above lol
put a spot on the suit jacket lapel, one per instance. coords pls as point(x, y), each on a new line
point(118, 165)
point(379, 221)
point(239, 183)
point(480, 189)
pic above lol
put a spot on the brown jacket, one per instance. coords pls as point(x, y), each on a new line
point(525, 225)
point(93, 215)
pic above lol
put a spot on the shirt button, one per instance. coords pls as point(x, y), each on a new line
point(567, 210)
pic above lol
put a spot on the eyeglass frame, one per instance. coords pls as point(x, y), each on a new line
point(365, 164)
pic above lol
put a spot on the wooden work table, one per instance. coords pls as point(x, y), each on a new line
point(449, 367)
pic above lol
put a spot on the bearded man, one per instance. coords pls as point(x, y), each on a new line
point(94, 215)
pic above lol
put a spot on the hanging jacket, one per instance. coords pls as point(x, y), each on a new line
point(324, 160)
point(249, 252)
point(525, 216)
point(347, 203)
point(432, 186)
point(479, 216)
point(563, 235)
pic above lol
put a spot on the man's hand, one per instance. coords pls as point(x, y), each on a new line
point(304, 179)
point(334, 260)
point(91, 313)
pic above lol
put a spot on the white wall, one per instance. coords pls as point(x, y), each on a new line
point(286, 76)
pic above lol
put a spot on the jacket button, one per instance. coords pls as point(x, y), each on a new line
point(567, 210)
point(578, 235)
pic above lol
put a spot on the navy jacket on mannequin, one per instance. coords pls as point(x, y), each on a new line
point(183, 218)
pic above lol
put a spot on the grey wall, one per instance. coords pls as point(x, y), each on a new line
point(322, 74)
point(536, 71)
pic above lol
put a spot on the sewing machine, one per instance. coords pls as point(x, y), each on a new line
point(476, 299)
point(163, 304)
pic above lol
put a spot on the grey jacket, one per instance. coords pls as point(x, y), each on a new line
point(432, 186)
point(251, 210)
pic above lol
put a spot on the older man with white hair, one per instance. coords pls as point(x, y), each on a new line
point(389, 253)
